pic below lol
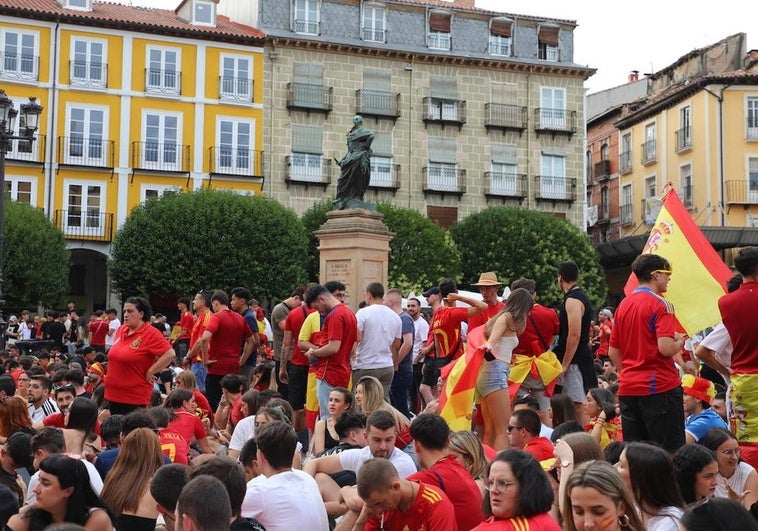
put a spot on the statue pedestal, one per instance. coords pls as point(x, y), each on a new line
point(354, 248)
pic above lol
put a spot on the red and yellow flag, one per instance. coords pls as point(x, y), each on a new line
point(700, 275)
point(458, 393)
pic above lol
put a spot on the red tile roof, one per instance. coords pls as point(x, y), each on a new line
point(108, 14)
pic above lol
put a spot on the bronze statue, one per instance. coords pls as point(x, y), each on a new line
point(355, 168)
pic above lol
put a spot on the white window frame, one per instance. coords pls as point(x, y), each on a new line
point(82, 229)
point(17, 73)
point(553, 99)
point(500, 46)
point(627, 198)
point(650, 151)
point(15, 180)
point(162, 75)
point(236, 88)
point(752, 189)
point(88, 80)
point(683, 177)
point(381, 172)
point(306, 25)
point(203, 3)
point(161, 163)
point(549, 52)
point(236, 155)
point(443, 176)
point(553, 183)
point(306, 167)
point(370, 30)
point(751, 117)
point(87, 137)
point(160, 190)
point(504, 178)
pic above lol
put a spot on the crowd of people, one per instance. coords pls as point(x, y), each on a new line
point(619, 423)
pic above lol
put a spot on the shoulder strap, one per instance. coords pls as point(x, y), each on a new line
point(539, 335)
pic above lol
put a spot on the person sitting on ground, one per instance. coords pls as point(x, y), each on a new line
point(187, 380)
point(181, 403)
point(696, 470)
point(173, 444)
point(524, 434)
point(249, 460)
point(203, 505)
point(351, 430)
point(529, 402)
point(325, 434)
point(604, 425)
point(699, 417)
point(131, 421)
point(8, 505)
point(245, 428)
point(14, 417)
point(735, 479)
point(369, 397)
point(81, 421)
point(16, 453)
point(718, 514)
point(165, 487)
point(229, 410)
point(41, 404)
point(467, 449)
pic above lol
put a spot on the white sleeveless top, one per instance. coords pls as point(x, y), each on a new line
point(503, 349)
point(737, 481)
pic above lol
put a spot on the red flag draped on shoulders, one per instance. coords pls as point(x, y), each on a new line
point(457, 396)
point(699, 273)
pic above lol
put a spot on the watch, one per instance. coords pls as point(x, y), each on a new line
point(565, 463)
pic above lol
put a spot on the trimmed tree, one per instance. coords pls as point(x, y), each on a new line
point(180, 243)
point(421, 253)
point(35, 258)
point(515, 242)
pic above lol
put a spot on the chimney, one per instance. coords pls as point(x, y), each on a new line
point(634, 75)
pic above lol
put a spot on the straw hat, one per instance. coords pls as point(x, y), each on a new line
point(488, 279)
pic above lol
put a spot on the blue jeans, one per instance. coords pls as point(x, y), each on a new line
point(322, 393)
point(200, 372)
point(400, 388)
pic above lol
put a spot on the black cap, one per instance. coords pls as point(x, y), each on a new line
point(434, 290)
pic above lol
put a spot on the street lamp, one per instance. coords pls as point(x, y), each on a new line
point(28, 124)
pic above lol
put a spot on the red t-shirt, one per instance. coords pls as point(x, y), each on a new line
point(540, 522)
point(540, 447)
point(174, 446)
point(605, 338)
point(201, 321)
point(431, 510)
point(547, 324)
point(128, 361)
point(482, 318)
point(293, 323)
point(187, 322)
point(98, 330)
point(450, 477)
point(339, 325)
point(229, 331)
point(236, 414)
point(188, 426)
point(738, 313)
point(446, 327)
point(641, 319)
point(203, 404)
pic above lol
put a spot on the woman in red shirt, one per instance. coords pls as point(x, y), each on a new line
point(184, 421)
point(139, 352)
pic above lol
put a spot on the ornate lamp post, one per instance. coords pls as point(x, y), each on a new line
point(30, 113)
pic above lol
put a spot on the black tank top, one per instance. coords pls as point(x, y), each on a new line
point(583, 355)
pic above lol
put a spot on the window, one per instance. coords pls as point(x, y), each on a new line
point(684, 133)
point(374, 27)
point(588, 164)
point(552, 108)
point(84, 202)
point(442, 173)
point(651, 205)
point(20, 54)
point(236, 78)
point(161, 149)
point(203, 13)
point(443, 103)
point(382, 174)
point(500, 36)
point(376, 98)
point(21, 189)
point(85, 144)
point(163, 73)
point(305, 162)
point(439, 30)
point(752, 181)
point(625, 210)
point(88, 62)
point(307, 89)
point(84, 5)
point(752, 118)
point(605, 207)
point(625, 157)
point(650, 187)
point(307, 16)
point(604, 152)
point(503, 179)
point(648, 148)
point(154, 191)
point(235, 147)
point(548, 36)
point(553, 177)
point(685, 184)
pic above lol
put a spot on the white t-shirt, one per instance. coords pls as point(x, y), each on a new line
point(354, 459)
point(25, 331)
point(420, 334)
point(667, 520)
point(720, 343)
point(112, 325)
point(94, 478)
point(737, 481)
point(245, 430)
point(379, 327)
point(285, 501)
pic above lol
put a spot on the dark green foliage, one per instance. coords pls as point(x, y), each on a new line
point(35, 258)
point(209, 239)
point(515, 242)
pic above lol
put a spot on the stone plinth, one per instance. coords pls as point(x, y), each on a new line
point(354, 248)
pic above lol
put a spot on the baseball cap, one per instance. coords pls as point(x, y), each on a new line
point(434, 290)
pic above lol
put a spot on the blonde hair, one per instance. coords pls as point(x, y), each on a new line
point(470, 447)
point(373, 400)
point(187, 379)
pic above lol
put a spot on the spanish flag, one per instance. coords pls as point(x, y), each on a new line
point(699, 273)
point(458, 393)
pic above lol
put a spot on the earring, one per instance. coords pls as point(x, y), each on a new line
point(623, 520)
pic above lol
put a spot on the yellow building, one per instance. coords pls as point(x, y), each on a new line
point(137, 102)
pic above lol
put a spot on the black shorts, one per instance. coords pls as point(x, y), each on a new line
point(431, 372)
point(297, 385)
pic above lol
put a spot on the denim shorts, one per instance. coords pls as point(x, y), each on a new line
point(493, 376)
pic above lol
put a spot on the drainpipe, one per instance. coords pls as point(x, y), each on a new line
point(409, 69)
point(273, 56)
point(49, 189)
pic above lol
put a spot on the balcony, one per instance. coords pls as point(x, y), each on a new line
point(683, 139)
point(377, 103)
point(27, 150)
point(555, 189)
point(603, 214)
point(163, 82)
point(625, 162)
point(602, 171)
point(92, 225)
point(230, 160)
point(374, 35)
point(90, 75)
point(549, 53)
point(238, 89)
point(87, 152)
point(309, 97)
point(307, 27)
point(505, 117)
point(555, 121)
point(308, 169)
point(505, 185)
point(439, 41)
point(686, 195)
point(648, 152)
point(444, 111)
point(625, 214)
point(162, 157)
point(742, 192)
point(384, 176)
point(19, 66)
point(499, 46)
point(444, 179)
point(752, 128)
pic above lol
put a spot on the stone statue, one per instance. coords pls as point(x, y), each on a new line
point(355, 168)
